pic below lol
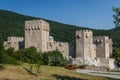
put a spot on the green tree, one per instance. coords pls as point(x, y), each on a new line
point(54, 58)
point(116, 54)
point(116, 16)
point(6, 59)
point(30, 55)
point(10, 52)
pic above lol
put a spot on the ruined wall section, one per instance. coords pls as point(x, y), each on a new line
point(63, 47)
point(36, 34)
point(13, 42)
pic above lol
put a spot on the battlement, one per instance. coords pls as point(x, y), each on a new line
point(14, 42)
point(100, 39)
point(84, 33)
point(11, 38)
point(36, 25)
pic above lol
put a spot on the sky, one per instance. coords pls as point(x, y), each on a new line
point(95, 14)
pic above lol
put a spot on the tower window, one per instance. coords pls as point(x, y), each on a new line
point(78, 36)
point(86, 35)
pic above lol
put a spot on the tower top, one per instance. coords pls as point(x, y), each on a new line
point(36, 24)
point(83, 31)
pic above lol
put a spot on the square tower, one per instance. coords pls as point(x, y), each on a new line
point(37, 34)
point(84, 45)
point(103, 46)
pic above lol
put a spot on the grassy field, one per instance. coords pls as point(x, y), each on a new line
point(17, 72)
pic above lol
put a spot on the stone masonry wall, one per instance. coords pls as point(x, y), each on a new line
point(84, 45)
point(36, 34)
point(13, 42)
point(63, 47)
point(102, 46)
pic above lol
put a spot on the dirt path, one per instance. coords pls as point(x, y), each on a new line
point(98, 74)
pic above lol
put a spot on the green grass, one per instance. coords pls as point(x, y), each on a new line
point(17, 72)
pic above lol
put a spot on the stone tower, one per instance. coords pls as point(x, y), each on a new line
point(103, 46)
point(37, 34)
point(84, 45)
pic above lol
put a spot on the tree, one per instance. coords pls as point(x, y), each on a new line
point(54, 58)
point(116, 16)
point(116, 54)
point(30, 55)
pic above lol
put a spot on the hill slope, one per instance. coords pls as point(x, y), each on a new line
point(12, 24)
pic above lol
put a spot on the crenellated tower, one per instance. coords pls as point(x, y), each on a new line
point(37, 34)
point(84, 45)
point(103, 46)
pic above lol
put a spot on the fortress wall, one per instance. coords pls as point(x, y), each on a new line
point(13, 42)
point(63, 47)
point(107, 62)
point(91, 51)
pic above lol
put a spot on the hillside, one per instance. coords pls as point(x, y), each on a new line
point(12, 24)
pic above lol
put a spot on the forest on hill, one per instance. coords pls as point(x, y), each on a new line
point(12, 24)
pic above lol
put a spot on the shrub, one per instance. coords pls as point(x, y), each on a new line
point(10, 52)
point(116, 54)
point(54, 58)
point(20, 55)
point(29, 55)
point(8, 60)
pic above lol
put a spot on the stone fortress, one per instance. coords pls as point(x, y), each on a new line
point(37, 35)
point(89, 50)
point(93, 50)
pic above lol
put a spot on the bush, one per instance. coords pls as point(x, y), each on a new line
point(29, 55)
point(54, 58)
point(8, 60)
point(116, 54)
point(10, 52)
point(20, 55)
